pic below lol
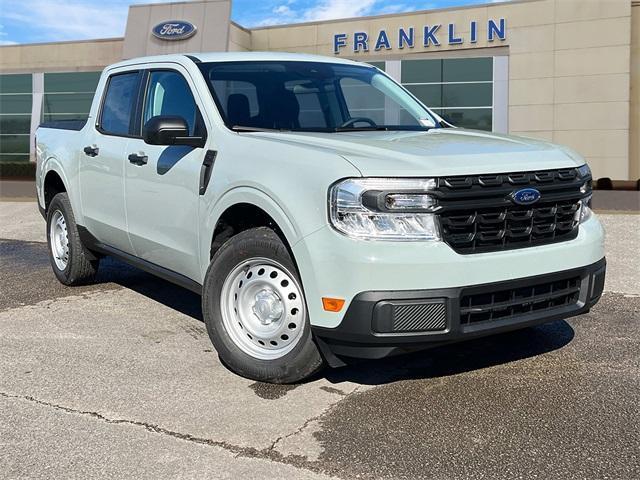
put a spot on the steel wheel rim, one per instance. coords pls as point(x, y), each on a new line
point(59, 240)
point(263, 308)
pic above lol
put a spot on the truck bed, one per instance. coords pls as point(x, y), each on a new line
point(76, 125)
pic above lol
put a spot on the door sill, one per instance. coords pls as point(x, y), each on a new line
point(92, 243)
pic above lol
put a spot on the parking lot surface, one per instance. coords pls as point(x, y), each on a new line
point(119, 379)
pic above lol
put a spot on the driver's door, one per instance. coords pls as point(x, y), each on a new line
point(161, 182)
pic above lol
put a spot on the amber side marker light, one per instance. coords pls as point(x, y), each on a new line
point(332, 304)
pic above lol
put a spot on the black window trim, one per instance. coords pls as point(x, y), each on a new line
point(98, 124)
point(142, 99)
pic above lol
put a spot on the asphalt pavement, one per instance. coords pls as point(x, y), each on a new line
point(119, 380)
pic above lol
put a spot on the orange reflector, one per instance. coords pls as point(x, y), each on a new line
point(332, 304)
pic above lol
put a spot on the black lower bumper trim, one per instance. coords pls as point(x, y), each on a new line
point(359, 335)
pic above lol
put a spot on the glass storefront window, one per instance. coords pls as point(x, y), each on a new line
point(378, 65)
point(460, 90)
point(467, 69)
point(15, 117)
point(71, 82)
point(15, 103)
point(15, 124)
point(15, 83)
point(67, 103)
point(68, 95)
point(467, 95)
point(477, 118)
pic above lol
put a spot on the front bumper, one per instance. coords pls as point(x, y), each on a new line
point(336, 266)
point(453, 314)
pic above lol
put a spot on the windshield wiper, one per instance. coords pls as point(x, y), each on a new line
point(242, 128)
point(380, 128)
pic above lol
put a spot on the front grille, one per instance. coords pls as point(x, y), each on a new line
point(478, 215)
point(514, 302)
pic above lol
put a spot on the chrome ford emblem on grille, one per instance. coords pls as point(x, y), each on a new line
point(526, 196)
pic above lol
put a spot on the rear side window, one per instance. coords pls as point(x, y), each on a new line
point(119, 103)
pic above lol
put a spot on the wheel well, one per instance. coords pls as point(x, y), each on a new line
point(241, 217)
point(53, 185)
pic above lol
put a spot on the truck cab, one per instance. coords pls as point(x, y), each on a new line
point(319, 208)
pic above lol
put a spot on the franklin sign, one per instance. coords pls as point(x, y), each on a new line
point(426, 37)
point(174, 30)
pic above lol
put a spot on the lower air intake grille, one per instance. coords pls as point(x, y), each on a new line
point(410, 316)
point(515, 302)
point(423, 317)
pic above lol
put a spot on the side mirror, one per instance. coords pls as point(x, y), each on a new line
point(169, 130)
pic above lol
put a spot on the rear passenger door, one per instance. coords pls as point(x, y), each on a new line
point(102, 161)
point(162, 194)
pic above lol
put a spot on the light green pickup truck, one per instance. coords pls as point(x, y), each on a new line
point(321, 210)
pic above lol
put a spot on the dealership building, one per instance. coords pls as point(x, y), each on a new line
point(566, 71)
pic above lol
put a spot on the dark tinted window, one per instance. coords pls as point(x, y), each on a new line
point(119, 102)
point(311, 96)
point(169, 94)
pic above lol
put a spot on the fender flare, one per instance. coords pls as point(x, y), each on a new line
point(51, 164)
point(249, 195)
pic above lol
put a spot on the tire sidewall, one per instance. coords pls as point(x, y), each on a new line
point(59, 203)
point(81, 267)
point(303, 360)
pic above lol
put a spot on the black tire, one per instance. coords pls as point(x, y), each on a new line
point(81, 266)
point(303, 360)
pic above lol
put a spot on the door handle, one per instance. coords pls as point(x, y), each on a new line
point(138, 159)
point(91, 151)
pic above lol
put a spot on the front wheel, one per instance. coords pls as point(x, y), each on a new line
point(255, 310)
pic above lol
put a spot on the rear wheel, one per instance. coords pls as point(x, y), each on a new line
point(255, 310)
point(72, 263)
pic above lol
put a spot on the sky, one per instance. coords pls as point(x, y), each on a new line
point(31, 21)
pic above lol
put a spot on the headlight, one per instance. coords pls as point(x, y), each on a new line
point(584, 171)
point(585, 211)
point(384, 209)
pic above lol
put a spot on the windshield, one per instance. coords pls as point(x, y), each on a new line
point(311, 96)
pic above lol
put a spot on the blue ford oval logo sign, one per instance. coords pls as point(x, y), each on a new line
point(174, 30)
point(526, 196)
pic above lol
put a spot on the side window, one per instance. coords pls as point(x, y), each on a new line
point(169, 94)
point(119, 103)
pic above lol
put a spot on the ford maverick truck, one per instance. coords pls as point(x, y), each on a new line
point(322, 212)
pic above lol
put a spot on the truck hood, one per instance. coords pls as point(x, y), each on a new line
point(437, 152)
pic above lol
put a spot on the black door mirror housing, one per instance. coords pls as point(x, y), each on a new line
point(169, 130)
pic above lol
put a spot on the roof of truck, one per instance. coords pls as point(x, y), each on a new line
point(235, 57)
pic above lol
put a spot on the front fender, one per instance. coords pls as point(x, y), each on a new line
point(210, 215)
